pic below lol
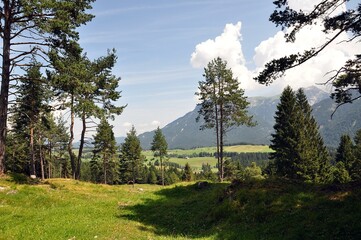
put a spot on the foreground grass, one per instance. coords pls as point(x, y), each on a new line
point(67, 209)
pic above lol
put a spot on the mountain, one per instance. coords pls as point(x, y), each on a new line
point(346, 120)
point(184, 132)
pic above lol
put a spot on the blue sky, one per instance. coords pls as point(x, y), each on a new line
point(155, 41)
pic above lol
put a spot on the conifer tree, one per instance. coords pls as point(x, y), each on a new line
point(159, 148)
point(314, 158)
point(105, 151)
point(131, 159)
point(345, 152)
point(285, 138)
point(356, 166)
point(223, 104)
point(28, 116)
point(28, 29)
point(299, 149)
point(188, 174)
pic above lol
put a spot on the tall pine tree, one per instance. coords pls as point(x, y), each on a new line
point(131, 159)
point(160, 147)
point(223, 104)
point(104, 153)
point(299, 151)
point(345, 152)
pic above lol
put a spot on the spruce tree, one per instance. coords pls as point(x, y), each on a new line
point(285, 139)
point(314, 158)
point(187, 174)
point(345, 152)
point(27, 117)
point(160, 147)
point(356, 166)
point(299, 151)
point(105, 152)
point(131, 159)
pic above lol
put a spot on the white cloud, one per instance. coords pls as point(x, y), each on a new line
point(127, 124)
point(155, 123)
point(229, 47)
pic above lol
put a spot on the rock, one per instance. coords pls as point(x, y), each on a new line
point(202, 184)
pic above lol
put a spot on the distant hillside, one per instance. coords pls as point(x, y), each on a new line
point(184, 132)
point(346, 120)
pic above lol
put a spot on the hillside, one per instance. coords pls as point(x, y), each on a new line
point(67, 209)
point(184, 132)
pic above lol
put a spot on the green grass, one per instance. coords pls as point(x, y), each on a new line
point(236, 148)
point(195, 163)
point(68, 209)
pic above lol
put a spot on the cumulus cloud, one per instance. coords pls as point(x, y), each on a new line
point(228, 46)
point(155, 123)
point(127, 124)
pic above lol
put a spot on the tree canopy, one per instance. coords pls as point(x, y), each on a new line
point(223, 104)
point(347, 79)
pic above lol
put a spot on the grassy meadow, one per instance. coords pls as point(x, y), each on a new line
point(270, 209)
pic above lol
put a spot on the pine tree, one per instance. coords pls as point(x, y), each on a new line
point(314, 158)
point(28, 116)
point(299, 149)
point(356, 166)
point(29, 29)
point(345, 152)
point(131, 159)
point(223, 104)
point(160, 147)
point(285, 138)
point(187, 174)
point(105, 151)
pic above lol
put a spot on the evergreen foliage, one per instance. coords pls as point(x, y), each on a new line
point(223, 104)
point(299, 152)
point(104, 154)
point(131, 159)
point(345, 152)
point(346, 80)
point(188, 173)
point(356, 166)
point(28, 29)
point(159, 148)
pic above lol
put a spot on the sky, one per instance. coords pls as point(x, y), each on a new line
point(164, 45)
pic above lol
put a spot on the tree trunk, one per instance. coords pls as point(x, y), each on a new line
point(41, 160)
point(81, 146)
point(71, 139)
point(32, 152)
point(162, 170)
point(217, 131)
point(5, 81)
point(105, 168)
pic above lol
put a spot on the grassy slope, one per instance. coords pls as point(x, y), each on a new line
point(64, 209)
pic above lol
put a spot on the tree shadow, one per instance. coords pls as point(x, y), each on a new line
point(182, 211)
point(251, 210)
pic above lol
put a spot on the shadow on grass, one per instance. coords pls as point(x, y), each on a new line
point(254, 210)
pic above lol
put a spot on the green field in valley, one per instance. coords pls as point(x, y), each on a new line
point(196, 162)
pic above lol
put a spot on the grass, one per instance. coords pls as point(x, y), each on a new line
point(195, 163)
point(68, 209)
